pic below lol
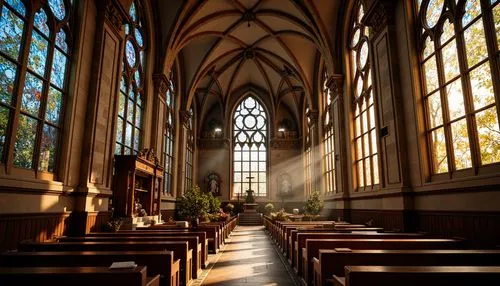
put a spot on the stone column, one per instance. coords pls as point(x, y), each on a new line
point(316, 174)
point(336, 86)
point(184, 117)
point(100, 123)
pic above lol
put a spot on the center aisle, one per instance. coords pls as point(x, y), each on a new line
point(249, 258)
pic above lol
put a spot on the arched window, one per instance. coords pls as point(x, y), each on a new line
point(250, 148)
point(35, 47)
point(131, 101)
point(458, 46)
point(168, 138)
point(365, 137)
point(307, 156)
point(328, 140)
point(189, 152)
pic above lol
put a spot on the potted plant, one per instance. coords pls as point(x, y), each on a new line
point(280, 215)
point(269, 208)
point(114, 224)
point(192, 205)
point(314, 205)
point(229, 208)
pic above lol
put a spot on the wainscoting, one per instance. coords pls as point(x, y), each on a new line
point(43, 226)
point(96, 221)
point(36, 226)
point(480, 229)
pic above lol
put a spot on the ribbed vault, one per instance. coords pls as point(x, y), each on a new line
point(276, 47)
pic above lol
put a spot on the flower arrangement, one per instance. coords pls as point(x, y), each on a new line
point(229, 208)
point(280, 215)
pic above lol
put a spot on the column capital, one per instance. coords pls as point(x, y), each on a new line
point(379, 15)
point(160, 82)
point(184, 117)
point(113, 13)
point(336, 85)
point(313, 116)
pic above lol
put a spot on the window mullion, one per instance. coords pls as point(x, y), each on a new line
point(444, 105)
point(17, 95)
point(44, 99)
point(493, 53)
point(467, 93)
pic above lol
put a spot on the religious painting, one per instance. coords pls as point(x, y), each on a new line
point(284, 182)
point(212, 182)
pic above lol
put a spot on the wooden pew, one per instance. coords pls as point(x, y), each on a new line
point(212, 234)
point(192, 244)
point(332, 262)
point(180, 249)
point(281, 226)
point(313, 246)
point(303, 236)
point(202, 236)
point(419, 275)
point(76, 276)
point(158, 262)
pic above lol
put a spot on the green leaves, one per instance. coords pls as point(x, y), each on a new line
point(314, 204)
point(195, 203)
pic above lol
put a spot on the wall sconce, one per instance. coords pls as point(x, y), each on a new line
point(281, 129)
point(217, 130)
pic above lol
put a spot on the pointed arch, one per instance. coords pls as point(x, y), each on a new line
point(250, 147)
point(34, 82)
point(129, 129)
point(366, 159)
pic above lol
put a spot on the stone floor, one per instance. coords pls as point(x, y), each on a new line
point(248, 258)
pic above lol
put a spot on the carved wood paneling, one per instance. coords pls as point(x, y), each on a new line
point(35, 226)
point(96, 221)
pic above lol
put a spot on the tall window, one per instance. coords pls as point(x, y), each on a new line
point(459, 42)
point(307, 156)
point(365, 137)
point(328, 141)
point(250, 148)
point(35, 48)
point(129, 124)
point(189, 152)
point(168, 139)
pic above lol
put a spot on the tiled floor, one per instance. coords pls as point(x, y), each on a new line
point(249, 258)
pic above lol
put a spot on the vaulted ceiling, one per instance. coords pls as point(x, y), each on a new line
point(275, 47)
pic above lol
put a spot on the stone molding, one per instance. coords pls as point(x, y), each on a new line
point(160, 82)
point(379, 16)
point(114, 13)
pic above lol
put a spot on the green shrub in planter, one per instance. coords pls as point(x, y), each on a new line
point(193, 204)
point(314, 205)
point(269, 208)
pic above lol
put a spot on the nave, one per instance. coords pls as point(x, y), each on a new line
point(249, 258)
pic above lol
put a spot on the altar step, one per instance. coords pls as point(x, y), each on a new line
point(250, 218)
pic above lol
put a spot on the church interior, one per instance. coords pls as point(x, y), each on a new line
point(384, 112)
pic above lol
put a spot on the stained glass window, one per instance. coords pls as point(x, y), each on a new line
point(365, 137)
point(328, 141)
point(131, 98)
point(307, 157)
point(250, 148)
point(168, 138)
point(189, 153)
point(458, 51)
point(33, 81)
